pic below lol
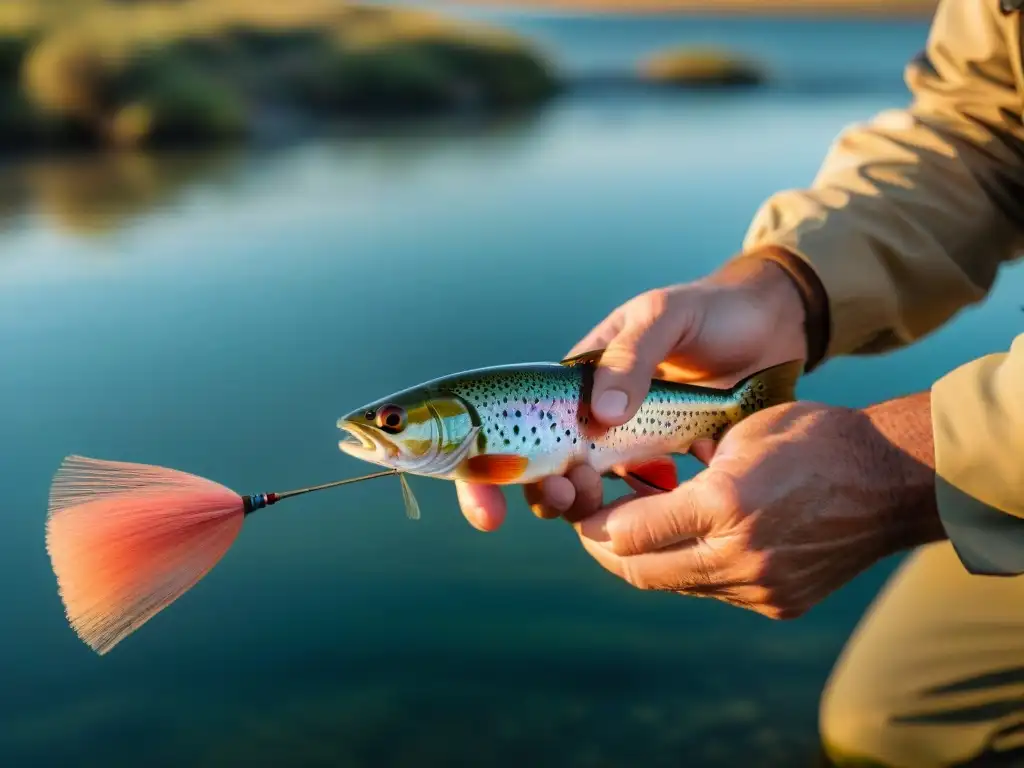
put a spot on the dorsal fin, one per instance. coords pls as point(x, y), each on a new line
point(592, 357)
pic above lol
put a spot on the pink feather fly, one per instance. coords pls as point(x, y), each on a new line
point(126, 540)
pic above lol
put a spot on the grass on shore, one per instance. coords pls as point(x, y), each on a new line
point(157, 72)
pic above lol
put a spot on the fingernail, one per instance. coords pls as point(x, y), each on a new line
point(611, 404)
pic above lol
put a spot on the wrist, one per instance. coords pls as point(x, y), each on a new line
point(772, 287)
point(804, 284)
point(905, 464)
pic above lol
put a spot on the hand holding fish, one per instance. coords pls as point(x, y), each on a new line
point(795, 502)
point(742, 319)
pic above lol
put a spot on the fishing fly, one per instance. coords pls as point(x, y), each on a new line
point(126, 540)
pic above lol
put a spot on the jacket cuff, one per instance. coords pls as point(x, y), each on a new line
point(817, 325)
point(861, 298)
point(976, 424)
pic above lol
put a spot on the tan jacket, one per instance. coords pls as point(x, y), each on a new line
point(907, 222)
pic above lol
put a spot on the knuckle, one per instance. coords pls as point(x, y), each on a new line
point(621, 355)
point(636, 539)
point(781, 602)
point(544, 512)
point(701, 575)
point(783, 612)
point(533, 493)
point(656, 302)
point(723, 491)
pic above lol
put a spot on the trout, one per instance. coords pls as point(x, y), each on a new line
point(516, 424)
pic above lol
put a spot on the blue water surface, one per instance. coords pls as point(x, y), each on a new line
point(217, 313)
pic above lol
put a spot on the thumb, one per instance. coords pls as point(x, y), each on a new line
point(639, 524)
point(623, 376)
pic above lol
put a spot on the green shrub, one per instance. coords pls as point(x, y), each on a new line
point(701, 67)
point(180, 106)
point(193, 70)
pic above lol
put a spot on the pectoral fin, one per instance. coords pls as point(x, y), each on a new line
point(495, 468)
point(412, 507)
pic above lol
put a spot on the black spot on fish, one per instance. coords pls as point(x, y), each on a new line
point(515, 429)
point(558, 439)
point(553, 426)
point(504, 414)
point(519, 414)
point(567, 433)
point(537, 441)
point(507, 441)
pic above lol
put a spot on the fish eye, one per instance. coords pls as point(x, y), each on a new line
point(391, 418)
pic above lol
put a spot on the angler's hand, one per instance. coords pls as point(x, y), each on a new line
point(796, 501)
point(745, 317)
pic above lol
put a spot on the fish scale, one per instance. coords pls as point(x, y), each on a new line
point(520, 423)
point(536, 413)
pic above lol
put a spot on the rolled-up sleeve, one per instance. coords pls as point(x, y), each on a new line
point(906, 223)
point(912, 213)
point(978, 426)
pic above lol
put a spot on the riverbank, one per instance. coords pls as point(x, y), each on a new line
point(100, 73)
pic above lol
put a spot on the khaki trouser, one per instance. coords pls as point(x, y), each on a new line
point(934, 673)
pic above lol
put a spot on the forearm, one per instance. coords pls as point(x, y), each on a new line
point(948, 464)
point(906, 466)
point(911, 214)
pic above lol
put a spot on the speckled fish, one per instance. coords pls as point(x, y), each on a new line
point(520, 423)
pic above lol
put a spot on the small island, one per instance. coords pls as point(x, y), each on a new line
point(95, 73)
point(701, 68)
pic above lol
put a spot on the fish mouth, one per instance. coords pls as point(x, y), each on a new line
point(361, 443)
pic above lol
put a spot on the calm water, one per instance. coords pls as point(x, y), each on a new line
point(217, 314)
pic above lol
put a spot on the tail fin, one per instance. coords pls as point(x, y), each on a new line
point(768, 387)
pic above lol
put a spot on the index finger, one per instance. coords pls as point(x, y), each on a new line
point(483, 505)
point(679, 567)
point(599, 336)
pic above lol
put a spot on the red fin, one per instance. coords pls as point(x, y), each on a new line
point(658, 473)
point(496, 468)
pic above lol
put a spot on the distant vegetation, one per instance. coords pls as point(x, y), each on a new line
point(853, 8)
point(701, 67)
point(157, 72)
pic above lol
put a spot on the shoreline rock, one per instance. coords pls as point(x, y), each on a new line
point(701, 67)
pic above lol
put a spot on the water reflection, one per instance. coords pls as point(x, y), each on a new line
point(98, 194)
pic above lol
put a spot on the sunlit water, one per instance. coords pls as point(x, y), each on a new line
point(217, 314)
